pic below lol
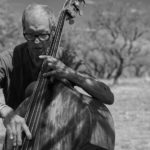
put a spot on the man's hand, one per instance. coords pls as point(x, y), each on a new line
point(15, 124)
point(56, 68)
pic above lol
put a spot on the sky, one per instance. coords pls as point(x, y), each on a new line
point(17, 6)
point(56, 5)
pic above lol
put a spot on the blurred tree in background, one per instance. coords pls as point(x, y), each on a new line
point(117, 32)
point(10, 29)
point(114, 42)
point(70, 53)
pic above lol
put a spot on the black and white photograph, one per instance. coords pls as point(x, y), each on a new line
point(74, 74)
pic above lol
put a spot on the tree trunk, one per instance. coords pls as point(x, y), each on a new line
point(119, 71)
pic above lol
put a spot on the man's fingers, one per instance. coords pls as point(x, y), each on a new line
point(14, 132)
point(43, 56)
point(19, 134)
point(9, 132)
point(11, 136)
point(14, 128)
point(14, 140)
point(48, 74)
point(27, 131)
point(48, 57)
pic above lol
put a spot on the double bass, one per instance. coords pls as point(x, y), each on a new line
point(58, 116)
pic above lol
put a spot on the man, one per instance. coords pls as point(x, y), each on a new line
point(25, 64)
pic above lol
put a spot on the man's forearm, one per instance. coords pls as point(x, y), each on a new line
point(93, 87)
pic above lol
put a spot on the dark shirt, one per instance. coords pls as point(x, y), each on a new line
point(20, 72)
point(23, 73)
point(17, 71)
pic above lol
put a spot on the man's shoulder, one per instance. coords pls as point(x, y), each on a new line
point(21, 47)
point(18, 54)
point(6, 53)
point(10, 52)
point(6, 58)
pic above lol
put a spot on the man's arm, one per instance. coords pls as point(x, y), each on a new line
point(5, 71)
point(13, 123)
point(92, 86)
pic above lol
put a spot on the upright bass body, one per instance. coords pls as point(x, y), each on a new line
point(71, 121)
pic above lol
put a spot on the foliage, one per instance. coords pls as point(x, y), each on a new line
point(69, 53)
point(9, 28)
point(116, 31)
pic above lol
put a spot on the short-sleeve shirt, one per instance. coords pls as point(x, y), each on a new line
point(17, 71)
point(20, 72)
point(5, 70)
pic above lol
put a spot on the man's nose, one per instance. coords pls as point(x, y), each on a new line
point(36, 41)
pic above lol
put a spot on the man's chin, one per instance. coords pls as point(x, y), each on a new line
point(34, 47)
point(40, 48)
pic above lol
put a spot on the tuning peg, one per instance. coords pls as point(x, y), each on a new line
point(76, 5)
point(82, 1)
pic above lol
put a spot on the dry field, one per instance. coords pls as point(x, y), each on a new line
point(131, 112)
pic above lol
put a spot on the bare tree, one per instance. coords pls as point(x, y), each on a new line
point(69, 53)
point(123, 27)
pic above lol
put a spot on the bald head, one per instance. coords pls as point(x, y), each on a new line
point(38, 22)
point(36, 15)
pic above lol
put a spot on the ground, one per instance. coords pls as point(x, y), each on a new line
point(131, 113)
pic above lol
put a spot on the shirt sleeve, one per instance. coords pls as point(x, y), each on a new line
point(5, 67)
point(2, 72)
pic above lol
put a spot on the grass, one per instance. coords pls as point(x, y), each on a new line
point(131, 113)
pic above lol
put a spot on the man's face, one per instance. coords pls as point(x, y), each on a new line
point(37, 33)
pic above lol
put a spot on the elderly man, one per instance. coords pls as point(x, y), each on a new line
point(24, 66)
